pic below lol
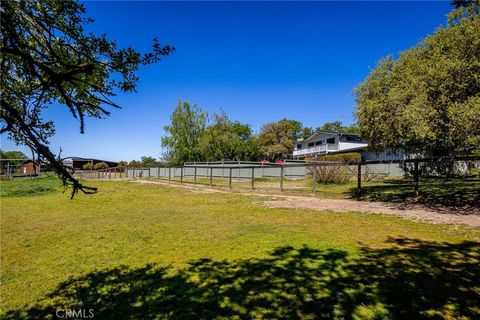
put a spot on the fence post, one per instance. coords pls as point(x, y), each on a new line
point(149, 172)
point(359, 178)
point(281, 177)
point(211, 174)
point(158, 173)
point(181, 174)
point(314, 178)
point(253, 178)
point(195, 175)
point(110, 173)
point(169, 173)
point(230, 179)
point(415, 178)
point(238, 170)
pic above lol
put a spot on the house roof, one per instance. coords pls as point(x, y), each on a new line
point(316, 134)
point(87, 159)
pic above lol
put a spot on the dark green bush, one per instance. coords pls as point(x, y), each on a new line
point(88, 166)
point(101, 165)
point(351, 157)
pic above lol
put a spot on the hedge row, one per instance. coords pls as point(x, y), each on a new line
point(341, 157)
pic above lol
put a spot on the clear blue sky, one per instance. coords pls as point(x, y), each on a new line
point(259, 61)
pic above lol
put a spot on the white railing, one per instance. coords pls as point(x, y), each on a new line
point(351, 145)
point(331, 148)
point(316, 149)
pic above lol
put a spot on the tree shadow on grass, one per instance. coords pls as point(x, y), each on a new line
point(452, 196)
point(412, 279)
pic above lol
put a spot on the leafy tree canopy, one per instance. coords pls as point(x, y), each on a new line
point(427, 100)
point(226, 140)
point(122, 163)
point(134, 164)
point(148, 161)
point(12, 155)
point(88, 166)
point(187, 125)
point(276, 139)
point(337, 126)
point(46, 58)
point(101, 165)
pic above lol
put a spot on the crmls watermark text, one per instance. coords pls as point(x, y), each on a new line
point(75, 313)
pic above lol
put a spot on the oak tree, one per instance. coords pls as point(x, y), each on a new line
point(427, 100)
point(46, 58)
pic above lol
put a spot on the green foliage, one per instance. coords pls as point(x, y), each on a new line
point(475, 172)
point(305, 133)
point(190, 139)
point(350, 157)
point(135, 164)
point(184, 132)
point(12, 155)
point(428, 100)
point(101, 165)
point(122, 163)
point(149, 161)
point(49, 58)
point(276, 140)
point(88, 166)
point(337, 126)
point(226, 140)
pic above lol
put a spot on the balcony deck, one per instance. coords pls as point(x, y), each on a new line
point(332, 148)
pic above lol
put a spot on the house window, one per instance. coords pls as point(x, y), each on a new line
point(318, 143)
point(299, 146)
point(331, 140)
point(352, 138)
point(311, 144)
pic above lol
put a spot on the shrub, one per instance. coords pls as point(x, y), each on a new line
point(88, 166)
point(333, 174)
point(352, 157)
point(475, 172)
point(371, 175)
point(101, 165)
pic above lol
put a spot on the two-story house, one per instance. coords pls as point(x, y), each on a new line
point(321, 143)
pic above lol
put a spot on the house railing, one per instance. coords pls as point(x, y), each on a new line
point(316, 149)
point(330, 147)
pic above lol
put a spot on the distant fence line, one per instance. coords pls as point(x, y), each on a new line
point(232, 170)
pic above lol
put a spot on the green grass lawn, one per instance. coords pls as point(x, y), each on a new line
point(435, 192)
point(136, 251)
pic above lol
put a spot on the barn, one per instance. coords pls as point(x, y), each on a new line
point(78, 162)
point(29, 167)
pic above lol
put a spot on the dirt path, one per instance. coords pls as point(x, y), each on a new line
point(414, 212)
